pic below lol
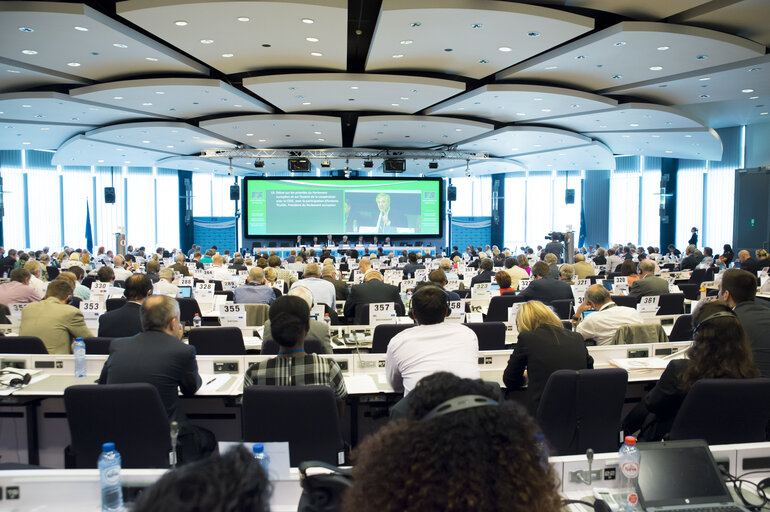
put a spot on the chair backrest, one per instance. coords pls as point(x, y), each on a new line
point(52, 272)
point(563, 308)
point(700, 275)
point(130, 415)
point(464, 294)
point(491, 335)
point(625, 300)
point(312, 346)
point(690, 290)
point(214, 341)
point(724, 411)
point(498, 307)
point(256, 314)
point(639, 333)
point(75, 302)
point(682, 330)
point(188, 307)
point(361, 314)
point(22, 345)
point(671, 304)
point(581, 409)
point(383, 333)
point(97, 345)
point(270, 414)
point(229, 295)
point(87, 281)
point(114, 303)
point(4, 314)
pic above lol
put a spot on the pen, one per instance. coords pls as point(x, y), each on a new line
point(212, 380)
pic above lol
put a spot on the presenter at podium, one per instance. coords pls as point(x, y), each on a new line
point(388, 219)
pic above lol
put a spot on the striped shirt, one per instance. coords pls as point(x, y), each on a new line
point(307, 370)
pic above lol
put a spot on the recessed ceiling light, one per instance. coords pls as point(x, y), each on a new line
point(81, 29)
point(321, 139)
point(207, 41)
point(13, 71)
point(581, 57)
point(249, 135)
point(308, 21)
point(317, 133)
point(170, 147)
point(537, 145)
point(29, 52)
point(663, 48)
point(634, 125)
point(398, 55)
point(533, 34)
point(117, 97)
point(394, 104)
point(145, 142)
point(151, 59)
point(537, 99)
point(403, 98)
point(119, 45)
point(656, 68)
point(306, 103)
point(180, 23)
point(688, 136)
point(704, 79)
point(747, 90)
point(227, 55)
point(407, 41)
point(354, 87)
point(616, 77)
point(27, 106)
point(483, 61)
point(545, 110)
point(620, 43)
point(73, 64)
point(26, 143)
point(316, 54)
point(243, 18)
point(146, 104)
point(552, 67)
point(520, 114)
point(603, 126)
point(669, 151)
point(505, 48)
point(763, 113)
point(159, 92)
point(415, 24)
point(702, 57)
point(754, 97)
point(312, 39)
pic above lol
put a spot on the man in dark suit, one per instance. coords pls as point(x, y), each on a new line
point(738, 289)
point(648, 284)
point(127, 320)
point(372, 290)
point(8, 263)
point(388, 219)
point(545, 288)
point(413, 265)
point(340, 287)
point(691, 258)
point(486, 275)
point(748, 263)
point(158, 357)
point(179, 266)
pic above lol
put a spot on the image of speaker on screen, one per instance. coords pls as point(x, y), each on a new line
point(384, 212)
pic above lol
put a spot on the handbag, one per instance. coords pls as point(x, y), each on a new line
point(323, 492)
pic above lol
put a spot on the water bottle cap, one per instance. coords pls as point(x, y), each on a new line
point(258, 448)
point(630, 440)
point(108, 447)
point(78, 340)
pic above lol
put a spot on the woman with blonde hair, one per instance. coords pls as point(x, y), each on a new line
point(567, 273)
point(543, 347)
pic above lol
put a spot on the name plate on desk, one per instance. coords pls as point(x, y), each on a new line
point(408, 284)
point(523, 283)
point(317, 312)
point(208, 274)
point(382, 313)
point(512, 312)
point(481, 291)
point(204, 292)
point(479, 306)
point(232, 315)
point(186, 281)
point(456, 311)
point(100, 290)
point(16, 309)
point(91, 309)
point(621, 284)
point(648, 305)
point(191, 265)
point(579, 292)
point(228, 285)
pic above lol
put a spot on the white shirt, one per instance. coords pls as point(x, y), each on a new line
point(602, 324)
point(163, 287)
point(221, 274)
point(426, 349)
point(38, 285)
point(323, 291)
point(613, 262)
point(517, 273)
point(121, 274)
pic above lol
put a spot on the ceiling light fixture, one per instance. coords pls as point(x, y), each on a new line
point(146, 104)
point(552, 67)
point(505, 48)
point(73, 64)
point(29, 52)
point(398, 55)
point(747, 90)
point(754, 97)
point(81, 29)
point(354, 87)
point(316, 54)
point(227, 55)
point(207, 41)
point(663, 48)
point(306, 103)
point(243, 18)
point(656, 68)
point(312, 39)
point(119, 45)
point(180, 23)
point(117, 97)
point(151, 59)
point(705, 78)
point(307, 21)
point(407, 41)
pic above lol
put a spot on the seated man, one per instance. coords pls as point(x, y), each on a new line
point(152, 268)
point(372, 290)
point(255, 291)
point(648, 284)
point(438, 277)
point(323, 291)
point(608, 317)
point(545, 288)
point(340, 286)
point(432, 346)
point(486, 275)
point(159, 357)
point(18, 290)
point(164, 285)
point(583, 269)
point(317, 328)
point(126, 320)
point(179, 266)
point(80, 290)
point(283, 274)
point(53, 321)
point(120, 273)
point(515, 271)
point(219, 270)
point(412, 265)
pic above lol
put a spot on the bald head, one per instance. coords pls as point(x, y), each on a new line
point(597, 296)
point(744, 255)
point(364, 265)
point(256, 275)
point(579, 257)
point(373, 274)
point(646, 267)
point(217, 260)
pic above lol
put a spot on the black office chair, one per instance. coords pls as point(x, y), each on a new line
point(682, 330)
point(668, 267)
point(671, 304)
point(114, 303)
point(491, 335)
point(256, 245)
point(724, 411)
point(229, 295)
point(595, 279)
point(464, 294)
point(75, 302)
point(581, 409)
point(130, 415)
point(498, 307)
point(270, 415)
point(383, 333)
point(187, 309)
point(4, 314)
point(361, 314)
point(699, 275)
point(312, 346)
point(52, 272)
point(22, 345)
point(563, 308)
point(97, 345)
point(87, 281)
point(691, 291)
point(625, 300)
point(214, 341)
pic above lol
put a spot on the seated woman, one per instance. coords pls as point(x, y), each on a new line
point(544, 346)
point(484, 457)
point(567, 273)
point(720, 350)
point(503, 280)
point(524, 263)
point(600, 258)
point(290, 322)
point(628, 270)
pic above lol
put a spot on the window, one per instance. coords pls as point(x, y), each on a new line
point(624, 201)
point(474, 197)
point(689, 200)
point(649, 219)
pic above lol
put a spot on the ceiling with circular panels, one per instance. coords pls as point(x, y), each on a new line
point(537, 84)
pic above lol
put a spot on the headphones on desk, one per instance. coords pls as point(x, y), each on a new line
point(17, 382)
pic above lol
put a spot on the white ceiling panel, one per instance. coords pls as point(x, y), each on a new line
point(352, 91)
point(81, 150)
point(594, 156)
point(509, 103)
point(279, 131)
point(703, 144)
point(459, 169)
point(746, 18)
point(166, 136)
point(54, 107)
point(648, 10)
point(238, 36)
point(415, 131)
point(632, 52)
point(210, 165)
point(97, 47)
point(517, 140)
point(722, 114)
point(175, 97)
point(628, 116)
point(16, 76)
point(29, 135)
point(464, 37)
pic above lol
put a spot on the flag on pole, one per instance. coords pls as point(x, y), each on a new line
point(89, 236)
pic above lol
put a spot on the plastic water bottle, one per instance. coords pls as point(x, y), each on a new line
point(409, 298)
point(109, 477)
point(328, 321)
point(263, 458)
point(197, 320)
point(628, 460)
point(79, 350)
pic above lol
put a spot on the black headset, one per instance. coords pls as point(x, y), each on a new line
point(721, 314)
point(17, 382)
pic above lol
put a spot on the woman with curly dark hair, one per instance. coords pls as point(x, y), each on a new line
point(629, 271)
point(720, 350)
point(460, 448)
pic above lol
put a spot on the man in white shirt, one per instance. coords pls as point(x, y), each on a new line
point(219, 271)
point(323, 291)
point(607, 317)
point(35, 271)
point(118, 267)
point(432, 346)
point(164, 286)
point(613, 261)
point(516, 272)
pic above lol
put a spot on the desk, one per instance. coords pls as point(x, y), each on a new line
point(336, 250)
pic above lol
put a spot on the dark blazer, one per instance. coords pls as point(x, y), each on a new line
point(755, 317)
point(158, 359)
point(546, 290)
point(409, 269)
point(541, 352)
point(689, 262)
point(750, 265)
point(370, 292)
point(340, 287)
point(182, 269)
point(122, 322)
point(600, 260)
point(648, 285)
point(485, 276)
point(6, 265)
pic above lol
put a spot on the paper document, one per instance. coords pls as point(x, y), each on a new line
point(640, 363)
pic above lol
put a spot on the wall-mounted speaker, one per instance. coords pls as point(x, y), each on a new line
point(451, 194)
point(569, 196)
point(109, 195)
point(235, 193)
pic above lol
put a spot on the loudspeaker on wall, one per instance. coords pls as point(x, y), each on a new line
point(109, 195)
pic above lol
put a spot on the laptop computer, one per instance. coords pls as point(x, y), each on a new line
point(185, 292)
point(682, 475)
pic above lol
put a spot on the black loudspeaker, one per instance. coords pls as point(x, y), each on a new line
point(109, 195)
point(569, 196)
point(299, 165)
point(451, 194)
point(235, 193)
point(395, 165)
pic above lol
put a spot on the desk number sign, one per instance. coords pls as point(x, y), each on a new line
point(382, 313)
point(232, 315)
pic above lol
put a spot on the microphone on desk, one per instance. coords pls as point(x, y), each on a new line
point(174, 435)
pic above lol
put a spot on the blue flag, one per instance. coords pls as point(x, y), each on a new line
point(582, 232)
point(89, 236)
